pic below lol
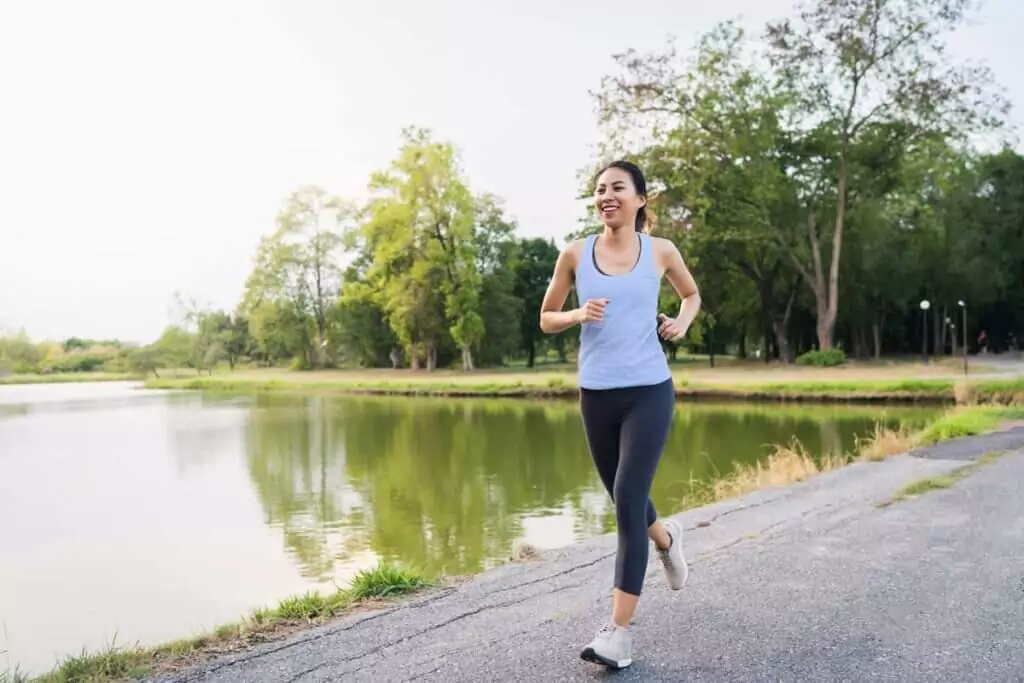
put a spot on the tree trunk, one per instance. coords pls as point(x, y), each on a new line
point(940, 333)
point(467, 358)
point(779, 328)
point(876, 333)
point(828, 325)
point(531, 354)
point(825, 298)
point(431, 355)
point(414, 356)
point(824, 330)
point(862, 342)
point(711, 345)
point(560, 348)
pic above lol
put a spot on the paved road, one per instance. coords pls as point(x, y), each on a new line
point(811, 583)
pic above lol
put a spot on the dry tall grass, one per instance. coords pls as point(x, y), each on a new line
point(884, 443)
point(963, 392)
point(786, 465)
point(791, 464)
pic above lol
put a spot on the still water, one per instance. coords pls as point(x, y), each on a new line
point(141, 516)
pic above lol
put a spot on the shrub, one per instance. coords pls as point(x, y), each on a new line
point(828, 358)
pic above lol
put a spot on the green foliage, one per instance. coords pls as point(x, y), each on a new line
point(532, 269)
point(969, 421)
point(829, 152)
point(826, 358)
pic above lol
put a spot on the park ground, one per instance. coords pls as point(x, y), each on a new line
point(991, 379)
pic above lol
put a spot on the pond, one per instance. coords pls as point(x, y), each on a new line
point(147, 516)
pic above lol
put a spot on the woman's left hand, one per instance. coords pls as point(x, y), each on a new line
point(671, 329)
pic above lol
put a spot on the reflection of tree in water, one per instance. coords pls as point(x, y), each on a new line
point(297, 464)
point(445, 485)
point(448, 482)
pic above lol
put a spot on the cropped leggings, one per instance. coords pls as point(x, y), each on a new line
point(626, 431)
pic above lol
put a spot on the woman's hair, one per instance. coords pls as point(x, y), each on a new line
point(644, 216)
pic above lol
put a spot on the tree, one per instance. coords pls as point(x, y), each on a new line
point(715, 153)
point(419, 237)
point(296, 279)
point(851, 63)
point(533, 266)
point(496, 253)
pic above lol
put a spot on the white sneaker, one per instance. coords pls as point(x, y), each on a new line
point(672, 560)
point(613, 647)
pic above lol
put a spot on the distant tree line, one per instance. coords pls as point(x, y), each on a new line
point(821, 179)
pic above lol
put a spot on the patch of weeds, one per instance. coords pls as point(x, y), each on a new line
point(884, 443)
point(135, 663)
point(385, 581)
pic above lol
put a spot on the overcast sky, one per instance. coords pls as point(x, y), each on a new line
point(145, 147)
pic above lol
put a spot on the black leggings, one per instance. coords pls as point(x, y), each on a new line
point(626, 431)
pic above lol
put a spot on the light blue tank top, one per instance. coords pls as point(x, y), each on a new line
point(623, 349)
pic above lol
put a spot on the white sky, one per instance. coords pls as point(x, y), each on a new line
point(145, 147)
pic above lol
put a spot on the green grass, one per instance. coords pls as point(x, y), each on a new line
point(942, 481)
point(119, 663)
point(69, 377)
point(562, 384)
point(968, 421)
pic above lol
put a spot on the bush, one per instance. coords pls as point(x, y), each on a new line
point(829, 358)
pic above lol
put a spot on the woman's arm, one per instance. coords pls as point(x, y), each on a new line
point(679, 276)
point(552, 318)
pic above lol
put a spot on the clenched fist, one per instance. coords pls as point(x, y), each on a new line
point(670, 329)
point(591, 311)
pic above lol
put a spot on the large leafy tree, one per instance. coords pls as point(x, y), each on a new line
point(849, 65)
point(418, 233)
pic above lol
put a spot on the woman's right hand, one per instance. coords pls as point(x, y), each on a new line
point(591, 311)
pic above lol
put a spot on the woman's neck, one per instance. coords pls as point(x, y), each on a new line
point(620, 238)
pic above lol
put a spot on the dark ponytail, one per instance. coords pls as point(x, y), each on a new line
point(644, 217)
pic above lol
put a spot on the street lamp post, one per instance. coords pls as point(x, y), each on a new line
point(925, 305)
point(963, 325)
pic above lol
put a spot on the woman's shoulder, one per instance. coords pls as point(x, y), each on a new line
point(574, 248)
point(663, 245)
point(569, 256)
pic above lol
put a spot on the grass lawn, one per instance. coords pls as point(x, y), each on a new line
point(69, 377)
point(869, 381)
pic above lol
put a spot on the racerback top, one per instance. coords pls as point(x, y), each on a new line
point(622, 350)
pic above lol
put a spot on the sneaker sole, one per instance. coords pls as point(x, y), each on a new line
point(589, 655)
point(682, 558)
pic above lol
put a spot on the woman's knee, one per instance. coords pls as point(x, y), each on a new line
point(631, 504)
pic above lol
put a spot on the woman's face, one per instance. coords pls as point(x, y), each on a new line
point(616, 199)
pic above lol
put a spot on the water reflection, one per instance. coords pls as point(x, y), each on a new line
point(448, 485)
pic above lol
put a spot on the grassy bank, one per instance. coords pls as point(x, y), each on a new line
point(899, 383)
point(369, 588)
point(67, 378)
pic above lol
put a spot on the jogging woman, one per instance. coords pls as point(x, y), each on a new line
point(627, 396)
